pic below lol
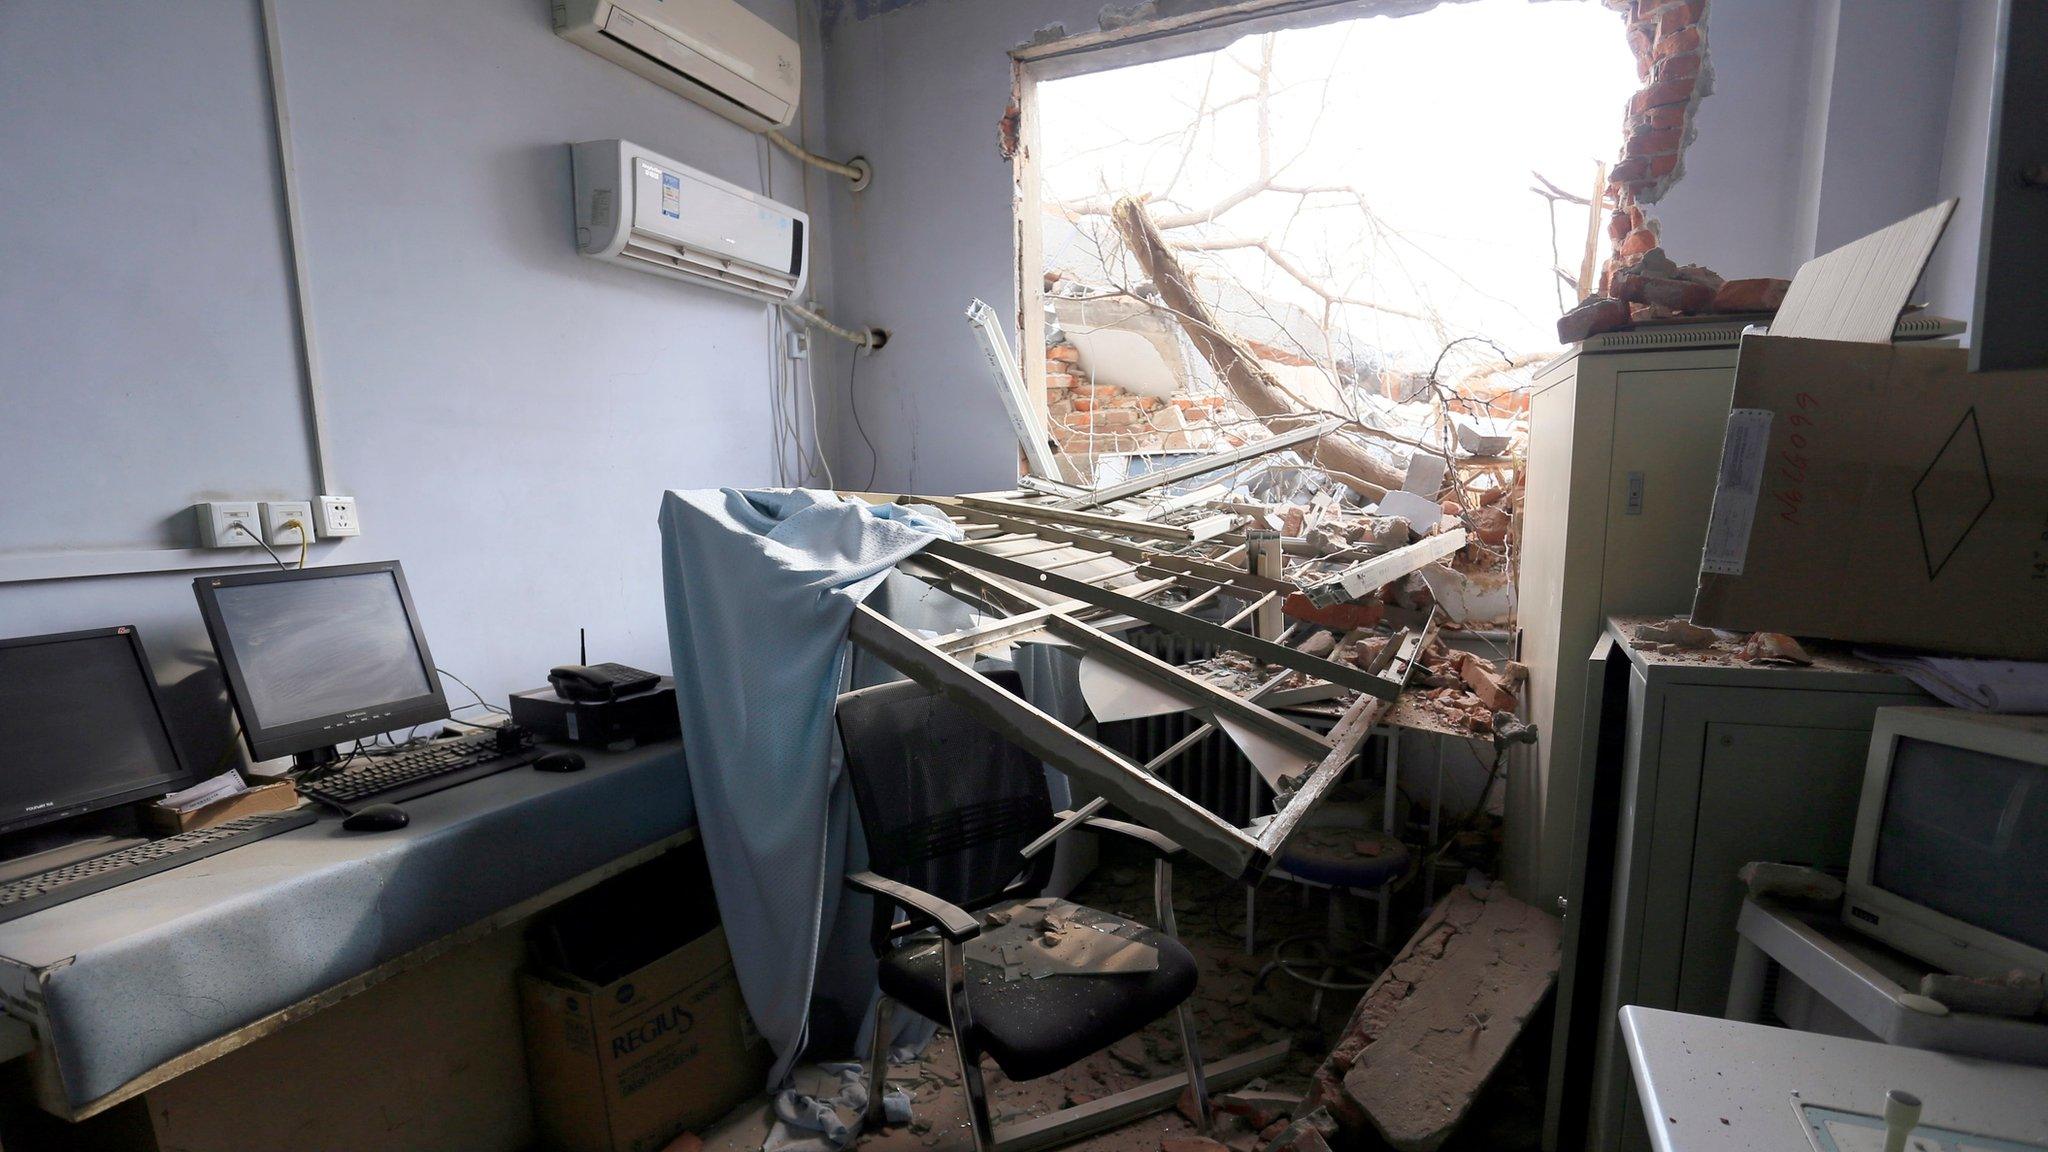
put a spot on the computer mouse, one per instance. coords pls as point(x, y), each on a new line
point(559, 762)
point(376, 818)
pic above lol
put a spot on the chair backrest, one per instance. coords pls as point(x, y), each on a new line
point(946, 803)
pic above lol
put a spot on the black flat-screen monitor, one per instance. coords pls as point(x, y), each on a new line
point(81, 727)
point(319, 656)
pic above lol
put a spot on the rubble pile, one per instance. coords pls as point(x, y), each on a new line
point(1458, 687)
point(1678, 635)
point(1092, 417)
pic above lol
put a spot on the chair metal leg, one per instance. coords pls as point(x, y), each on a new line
point(1198, 1084)
point(1162, 903)
point(961, 1016)
point(1162, 895)
point(878, 1067)
point(1251, 919)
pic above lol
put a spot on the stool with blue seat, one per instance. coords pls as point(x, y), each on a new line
point(1340, 850)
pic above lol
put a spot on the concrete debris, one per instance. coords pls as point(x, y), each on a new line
point(2017, 993)
point(1774, 648)
point(1677, 630)
point(1259, 1109)
point(1432, 1029)
point(1790, 883)
point(1311, 1133)
point(1486, 684)
point(1318, 644)
point(1594, 315)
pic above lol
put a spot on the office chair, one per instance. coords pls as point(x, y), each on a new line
point(947, 805)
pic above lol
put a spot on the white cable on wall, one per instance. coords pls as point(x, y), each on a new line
point(302, 288)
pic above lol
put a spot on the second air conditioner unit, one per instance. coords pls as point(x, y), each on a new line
point(641, 209)
point(712, 51)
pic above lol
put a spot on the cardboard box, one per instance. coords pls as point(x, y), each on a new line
point(1882, 494)
point(627, 1066)
point(275, 797)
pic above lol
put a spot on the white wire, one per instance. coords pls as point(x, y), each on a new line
point(817, 433)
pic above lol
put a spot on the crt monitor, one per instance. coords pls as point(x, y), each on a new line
point(81, 727)
point(1950, 859)
point(316, 657)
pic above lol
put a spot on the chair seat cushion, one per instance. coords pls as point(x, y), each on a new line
point(1344, 857)
point(1035, 1027)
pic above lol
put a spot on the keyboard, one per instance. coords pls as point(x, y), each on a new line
point(34, 893)
point(399, 776)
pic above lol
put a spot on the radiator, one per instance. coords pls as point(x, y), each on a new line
point(1213, 773)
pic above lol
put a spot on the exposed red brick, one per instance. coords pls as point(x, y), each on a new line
point(1654, 142)
point(1633, 168)
point(1675, 17)
point(1066, 352)
point(1342, 617)
point(1636, 243)
point(1669, 116)
point(1665, 165)
point(1662, 93)
point(1618, 226)
point(1492, 691)
point(1677, 69)
point(1760, 294)
point(1684, 39)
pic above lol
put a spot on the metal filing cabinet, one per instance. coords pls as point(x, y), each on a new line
point(1693, 768)
point(1624, 443)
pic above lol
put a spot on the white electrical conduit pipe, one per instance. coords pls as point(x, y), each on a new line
point(857, 169)
point(871, 339)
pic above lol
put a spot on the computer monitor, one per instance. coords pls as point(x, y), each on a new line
point(81, 727)
point(1950, 859)
point(320, 656)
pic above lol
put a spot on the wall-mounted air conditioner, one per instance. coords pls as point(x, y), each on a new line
point(643, 210)
point(712, 51)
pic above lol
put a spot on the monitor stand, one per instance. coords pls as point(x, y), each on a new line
point(316, 761)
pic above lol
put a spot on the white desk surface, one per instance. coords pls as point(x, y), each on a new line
point(1709, 1084)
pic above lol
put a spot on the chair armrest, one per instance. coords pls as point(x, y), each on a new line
point(1159, 844)
point(954, 923)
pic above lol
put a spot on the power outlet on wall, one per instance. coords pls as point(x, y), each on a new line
point(288, 522)
point(335, 516)
point(227, 524)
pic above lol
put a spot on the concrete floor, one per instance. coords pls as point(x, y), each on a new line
point(1231, 1015)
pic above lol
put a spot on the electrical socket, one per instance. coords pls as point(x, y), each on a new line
point(336, 516)
point(276, 512)
point(799, 344)
point(227, 523)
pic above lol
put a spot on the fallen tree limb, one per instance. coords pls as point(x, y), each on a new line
point(1234, 363)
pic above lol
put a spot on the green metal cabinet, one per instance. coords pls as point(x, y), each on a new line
point(1693, 767)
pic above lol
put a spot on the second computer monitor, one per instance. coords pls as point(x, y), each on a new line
point(321, 656)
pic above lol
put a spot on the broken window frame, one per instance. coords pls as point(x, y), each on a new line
point(994, 568)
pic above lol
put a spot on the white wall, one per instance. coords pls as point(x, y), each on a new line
point(1831, 119)
point(507, 412)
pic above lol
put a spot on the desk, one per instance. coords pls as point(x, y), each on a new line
point(1865, 983)
point(1708, 1084)
point(128, 988)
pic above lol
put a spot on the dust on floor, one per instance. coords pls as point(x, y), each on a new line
point(1233, 1012)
